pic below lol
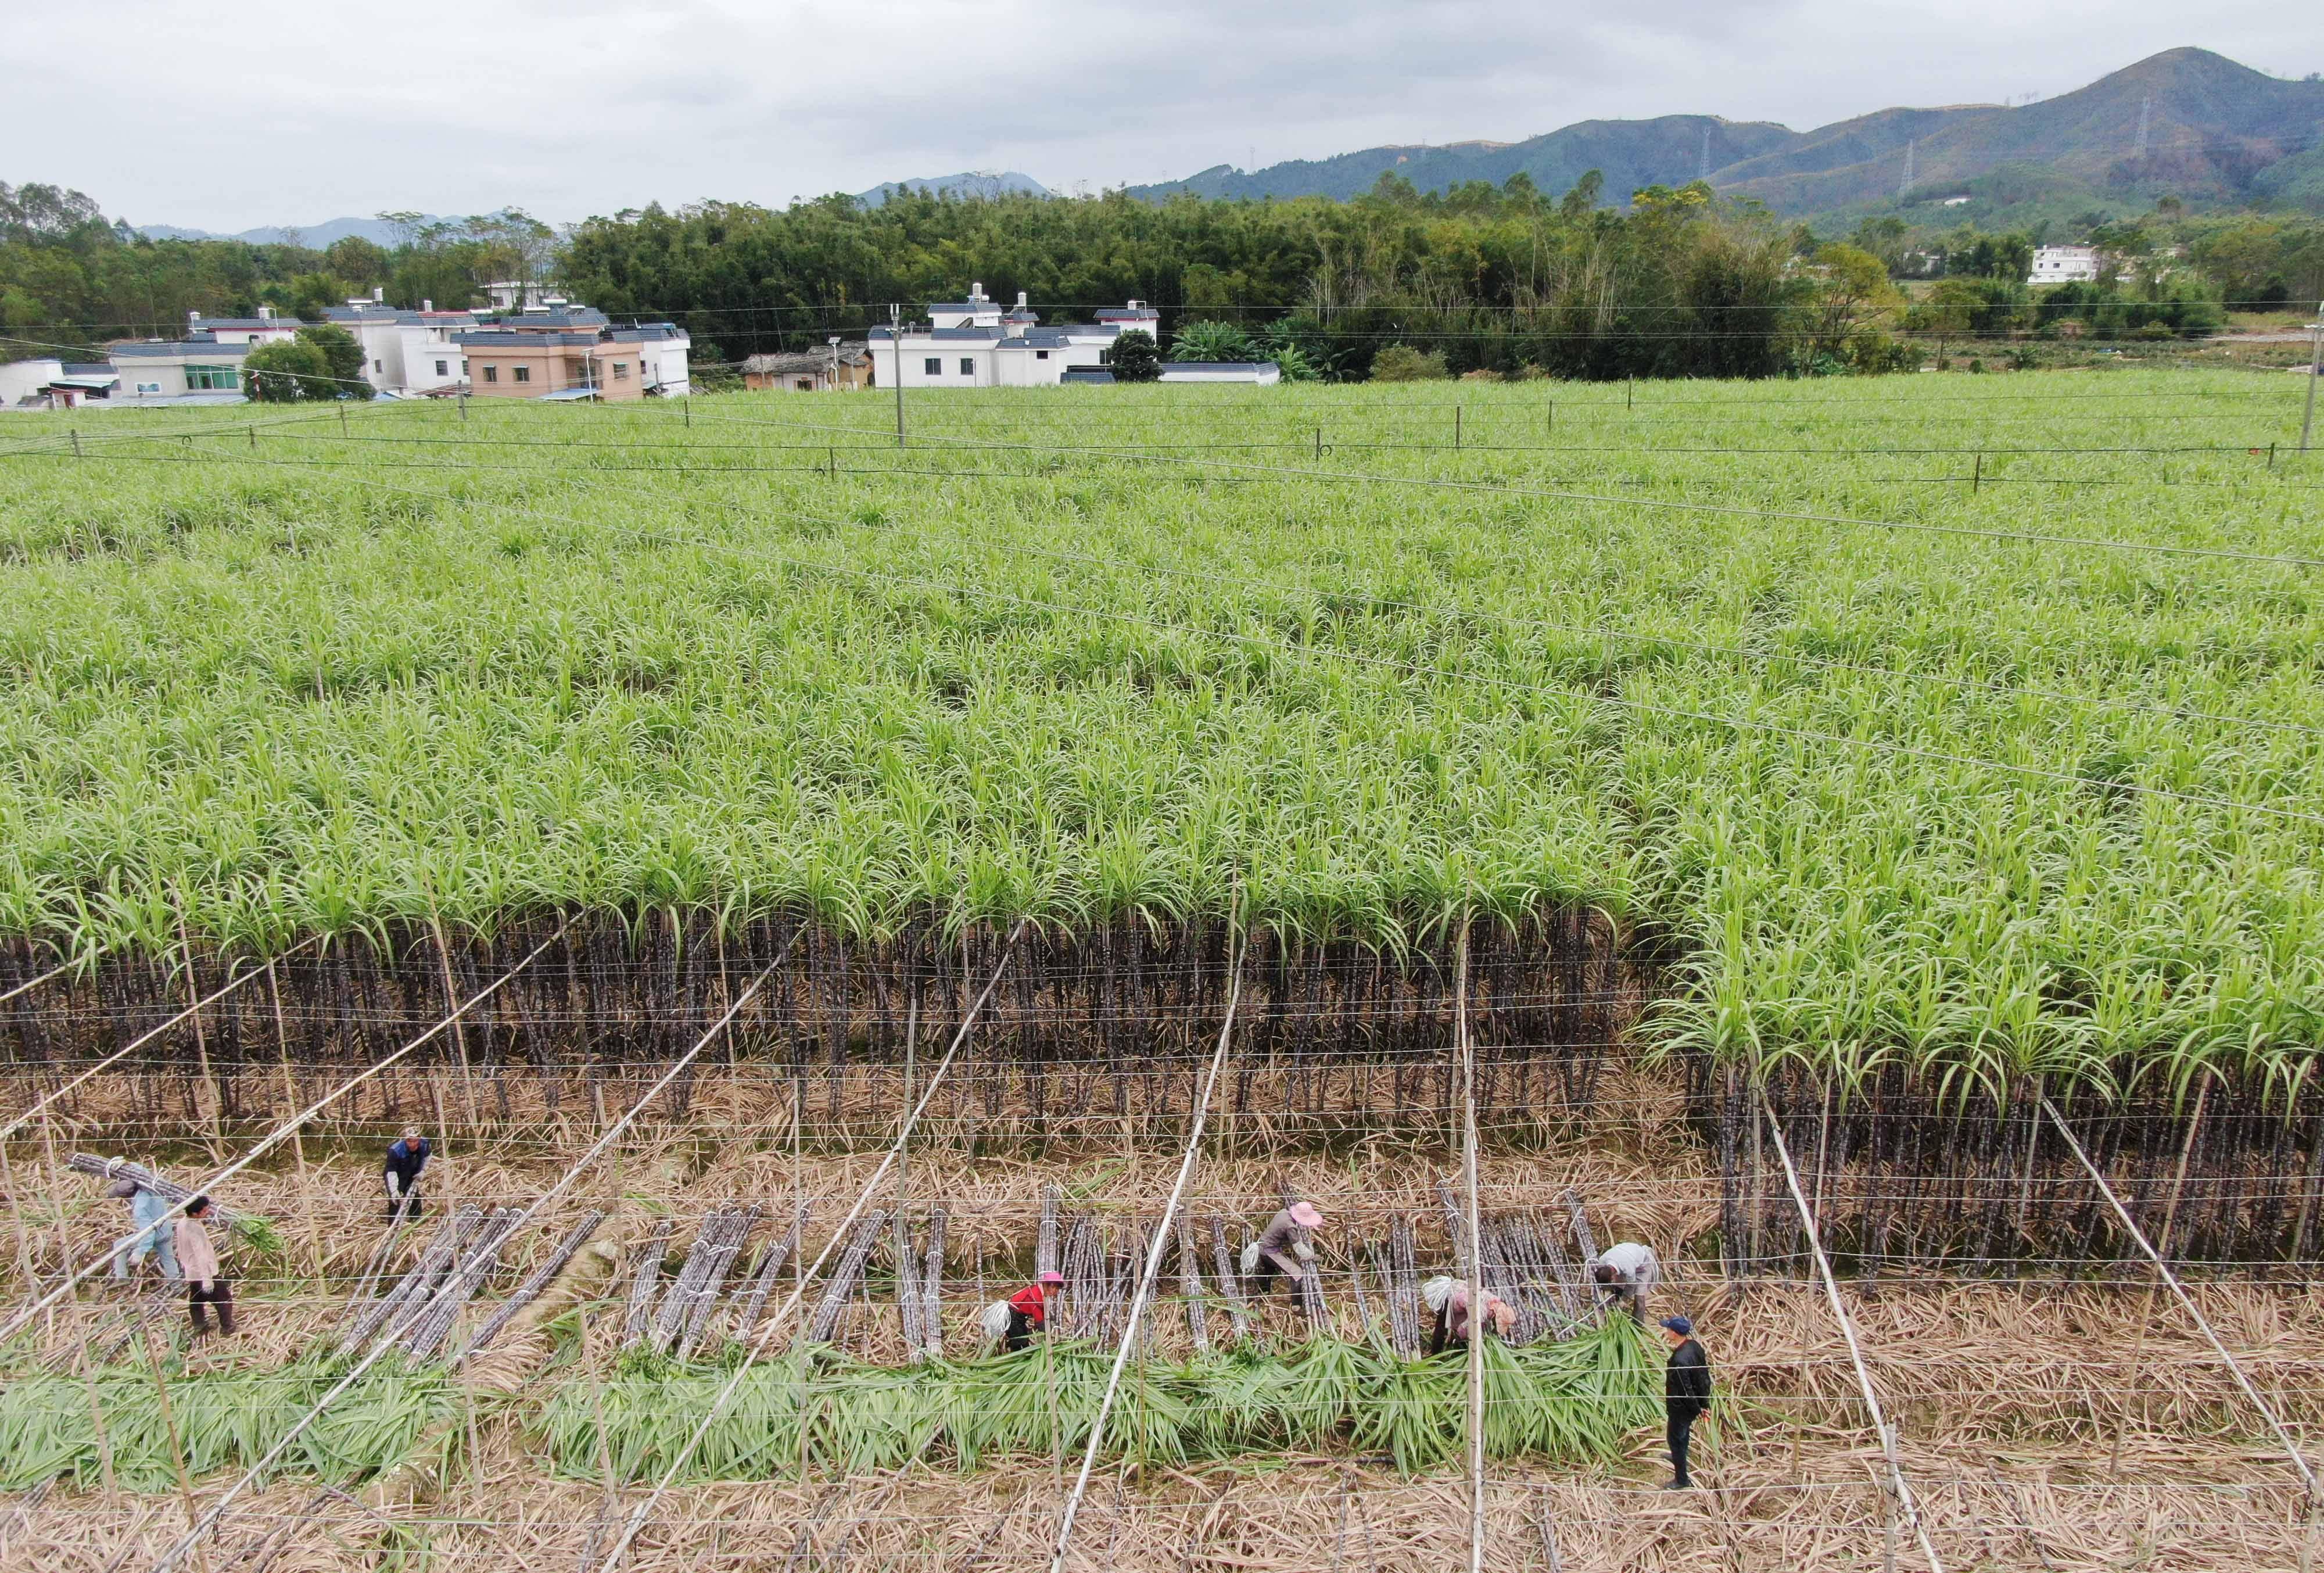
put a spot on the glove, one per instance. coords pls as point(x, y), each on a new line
point(1304, 1251)
point(394, 1186)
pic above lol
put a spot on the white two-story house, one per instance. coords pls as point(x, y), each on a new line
point(977, 344)
point(405, 352)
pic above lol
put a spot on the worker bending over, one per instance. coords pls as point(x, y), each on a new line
point(1450, 1300)
point(407, 1159)
point(1282, 1248)
point(197, 1259)
point(153, 1236)
point(1013, 1321)
point(1624, 1273)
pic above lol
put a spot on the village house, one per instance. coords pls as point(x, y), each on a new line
point(843, 367)
point(406, 353)
point(976, 344)
point(198, 369)
point(2064, 264)
point(560, 351)
point(49, 383)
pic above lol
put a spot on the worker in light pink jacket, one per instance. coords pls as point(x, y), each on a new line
point(198, 1259)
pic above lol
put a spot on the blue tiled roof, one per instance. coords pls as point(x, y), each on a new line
point(504, 339)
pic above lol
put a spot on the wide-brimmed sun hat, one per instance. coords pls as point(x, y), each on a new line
point(1304, 1215)
point(1053, 1278)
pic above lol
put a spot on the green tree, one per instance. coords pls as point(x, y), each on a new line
point(1136, 358)
point(285, 373)
point(1400, 362)
point(343, 358)
point(1852, 293)
point(1212, 340)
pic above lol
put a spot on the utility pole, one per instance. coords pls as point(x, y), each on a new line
point(2315, 374)
point(896, 337)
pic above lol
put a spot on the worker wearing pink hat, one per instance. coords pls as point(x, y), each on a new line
point(1282, 1247)
point(1029, 1308)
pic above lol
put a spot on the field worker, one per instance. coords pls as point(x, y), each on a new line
point(1624, 1273)
point(197, 1259)
point(406, 1159)
point(153, 1236)
point(1027, 1309)
point(1686, 1392)
point(1282, 1248)
point(1450, 1300)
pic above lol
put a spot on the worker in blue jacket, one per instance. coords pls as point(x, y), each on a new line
point(406, 1159)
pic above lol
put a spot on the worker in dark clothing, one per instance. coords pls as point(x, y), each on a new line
point(1686, 1392)
point(405, 1162)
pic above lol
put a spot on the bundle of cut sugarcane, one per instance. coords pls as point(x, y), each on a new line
point(525, 1292)
point(908, 1306)
point(1311, 1282)
point(932, 1286)
point(849, 1268)
point(430, 1326)
point(1238, 1316)
point(160, 1185)
point(715, 1246)
point(1190, 1284)
point(1404, 1288)
point(1045, 1249)
point(646, 1263)
point(753, 1295)
point(451, 1239)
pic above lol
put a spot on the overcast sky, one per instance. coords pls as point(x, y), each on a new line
point(239, 113)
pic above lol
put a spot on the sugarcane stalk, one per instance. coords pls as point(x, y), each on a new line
point(1190, 1275)
point(645, 1263)
point(713, 1277)
point(444, 1308)
point(526, 1292)
point(908, 1284)
point(835, 1293)
point(160, 1185)
point(441, 1253)
point(762, 1282)
point(932, 1286)
point(1229, 1288)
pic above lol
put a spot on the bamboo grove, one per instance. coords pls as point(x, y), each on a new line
point(1906, 754)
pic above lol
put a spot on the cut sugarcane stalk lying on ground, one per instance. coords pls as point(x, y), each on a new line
point(645, 1283)
point(751, 1298)
point(525, 1292)
point(850, 1267)
point(452, 1238)
point(433, 1325)
point(715, 1246)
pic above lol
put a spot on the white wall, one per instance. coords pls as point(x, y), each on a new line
point(19, 378)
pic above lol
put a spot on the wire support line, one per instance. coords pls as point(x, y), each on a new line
point(282, 1133)
point(2290, 1447)
point(725, 1394)
point(957, 587)
point(1163, 1234)
point(1901, 1489)
point(1843, 521)
point(47, 1100)
point(386, 1338)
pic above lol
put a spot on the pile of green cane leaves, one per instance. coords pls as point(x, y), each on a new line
point(224, 1420)
point(1576, 1402)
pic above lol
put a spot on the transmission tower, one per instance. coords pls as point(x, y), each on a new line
point(1907, 184)
point(2146, 108)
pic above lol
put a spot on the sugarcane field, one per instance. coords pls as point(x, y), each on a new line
point(1537, 974)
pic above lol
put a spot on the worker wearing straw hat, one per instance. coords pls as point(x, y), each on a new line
point(407, 1158)
point(1686, 1394)
point(1282, 1248)
point(1449, 1298)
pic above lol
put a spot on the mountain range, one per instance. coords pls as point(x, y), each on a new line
point(979, 183)
point(2185, 122)
point(379, 232)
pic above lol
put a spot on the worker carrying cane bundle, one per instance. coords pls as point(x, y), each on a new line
point(407, 1160)
point(1011, 1322)
point(1282, 1249)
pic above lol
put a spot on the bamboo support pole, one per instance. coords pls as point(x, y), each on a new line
point(1899, 1491)
point(1473, 1238)
point(2187, 1303)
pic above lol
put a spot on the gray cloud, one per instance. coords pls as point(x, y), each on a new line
point(249, 112)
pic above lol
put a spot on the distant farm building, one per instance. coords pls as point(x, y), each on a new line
point(561, 351)
point(976, 344)
point(843, 368)
point(2064, 264)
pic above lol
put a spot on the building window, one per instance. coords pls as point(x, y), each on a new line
point(523, 373)
point(212, 376)
point(933, 366)
point(149, 387)
point(442, 369)
point(492, 374)
point(1040, 354)
point(379, 365)
point(803, 384)
point(621, 371)
point(967, 367)
point(1105, 357)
